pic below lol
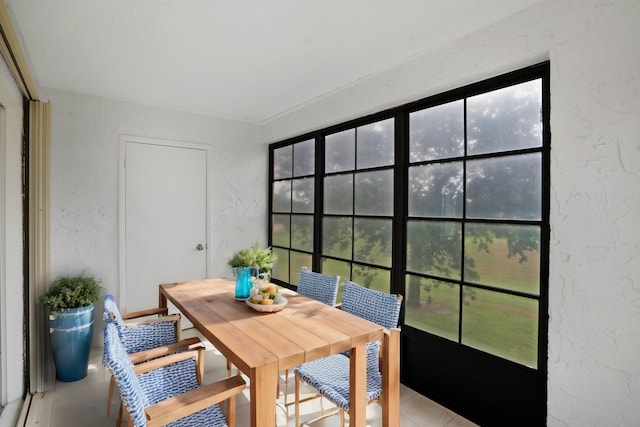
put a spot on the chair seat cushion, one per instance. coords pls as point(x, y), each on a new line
point(330, 376)
point(174, 380)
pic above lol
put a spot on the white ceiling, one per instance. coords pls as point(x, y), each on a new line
point(249, 60)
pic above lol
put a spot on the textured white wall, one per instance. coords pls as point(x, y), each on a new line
point(594, 283)
point(84, 180)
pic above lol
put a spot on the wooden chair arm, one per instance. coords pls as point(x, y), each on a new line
point(148, 312)
point(193, 401)
point(152, 353)
point(160, 362)
point(170, 318)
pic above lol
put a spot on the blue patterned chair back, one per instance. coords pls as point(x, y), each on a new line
point(318, 286)
point(111, 312)
point(140, 337)
point(118, 362)
point(375, 306)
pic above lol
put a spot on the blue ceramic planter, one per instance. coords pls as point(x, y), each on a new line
point(71, 331)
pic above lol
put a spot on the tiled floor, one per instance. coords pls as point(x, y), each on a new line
point(83, 403)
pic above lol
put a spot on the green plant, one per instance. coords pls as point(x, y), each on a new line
point(71, 292)
point(255, 256)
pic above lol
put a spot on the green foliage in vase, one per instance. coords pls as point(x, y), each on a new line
point(71, 292)
point(255, 256)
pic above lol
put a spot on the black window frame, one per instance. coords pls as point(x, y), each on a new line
point(486, 401)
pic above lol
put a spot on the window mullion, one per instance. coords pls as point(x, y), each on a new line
point(464, 222)
point(318, 206)
point(400, 208)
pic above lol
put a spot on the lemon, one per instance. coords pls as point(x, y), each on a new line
point(272, 289)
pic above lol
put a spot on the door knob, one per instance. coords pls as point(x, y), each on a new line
point(199, 247)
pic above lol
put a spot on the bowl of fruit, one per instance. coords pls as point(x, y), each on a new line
point(266, 299)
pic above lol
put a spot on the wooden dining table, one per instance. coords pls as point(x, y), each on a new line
point(261, 345)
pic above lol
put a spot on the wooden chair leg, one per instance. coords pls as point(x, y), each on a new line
point(286, 385)
point(297, 400)
point(231, 411)
point(110, 396)
point(119, 420)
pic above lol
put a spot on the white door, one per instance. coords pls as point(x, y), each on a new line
point(164, 217)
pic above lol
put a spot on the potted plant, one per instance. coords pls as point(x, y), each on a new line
point(255, 256)
point(70, 301)
point(250, 262)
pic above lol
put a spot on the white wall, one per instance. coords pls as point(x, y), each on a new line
point(84, 180)
point(11, 278)
point(594, 283)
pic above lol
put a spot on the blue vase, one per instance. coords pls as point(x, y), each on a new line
point(71, 331)
point(244, 281)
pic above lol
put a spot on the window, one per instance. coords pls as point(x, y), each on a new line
point(444, 200)
point(292, 201)
point(358, 188)
point(475, 220)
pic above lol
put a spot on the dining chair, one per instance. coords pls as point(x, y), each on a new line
point(168, 390)
point(144, 329)
point(140, 330)
point(330, 375)
point(320, 287)
point(144, 356)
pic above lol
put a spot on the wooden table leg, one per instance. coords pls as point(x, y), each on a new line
point(358, 386)
point(390, 399)
point(162, 300)
point(264, 386)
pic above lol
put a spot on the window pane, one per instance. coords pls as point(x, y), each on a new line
point(302, 195)
point(437, 132)
point(501, 324)
point(436, 190)
point(298, 260)
point(334, 267)
point(340, 151)
point(283, 162)
point(282, 196)
point(505, 119)
point(505, 256)
point(338, 194)
point(336, 237)
point(281, 230)
point(372, 241)
point(374, 193)
point(304, 158)
point(434, 248)
point(280, 268)
point(302, 232)
point(337, 268)
point(505, 187)
point(432, 306)
point(372, 278)
point(375, 144)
